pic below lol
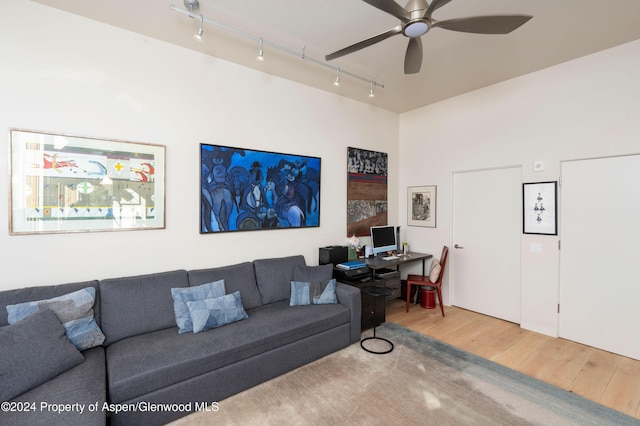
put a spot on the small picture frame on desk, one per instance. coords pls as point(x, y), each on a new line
point(422, 206)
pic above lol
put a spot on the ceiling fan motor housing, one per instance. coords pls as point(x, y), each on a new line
point(418, 24)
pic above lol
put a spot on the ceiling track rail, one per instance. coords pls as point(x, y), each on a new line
point(299, 54)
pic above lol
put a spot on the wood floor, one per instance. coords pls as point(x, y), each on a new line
point(600, 376)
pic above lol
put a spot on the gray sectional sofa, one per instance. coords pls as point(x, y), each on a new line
point(146, 372)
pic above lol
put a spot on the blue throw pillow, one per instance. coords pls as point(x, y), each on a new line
point(75, 312)
point(316, 293)
point(189, 294)
point(216, 312)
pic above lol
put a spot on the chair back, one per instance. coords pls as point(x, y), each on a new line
point(443, 262)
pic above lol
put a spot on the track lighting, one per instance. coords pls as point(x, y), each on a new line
point(337, 82)
point(261, 50)
point(193, 5)
point(198, 35)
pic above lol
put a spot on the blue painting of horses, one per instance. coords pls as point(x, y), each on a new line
point(248, 190)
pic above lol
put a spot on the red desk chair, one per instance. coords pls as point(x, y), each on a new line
point(421, 280)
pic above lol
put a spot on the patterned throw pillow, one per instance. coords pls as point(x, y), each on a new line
point(216, 312)
point(190, 294)
point(75, 312)
point(315, 293)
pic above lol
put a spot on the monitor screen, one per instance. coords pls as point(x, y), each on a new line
point(383, 239)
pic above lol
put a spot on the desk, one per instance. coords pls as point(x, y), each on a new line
point(377, 262)
point(372, 313)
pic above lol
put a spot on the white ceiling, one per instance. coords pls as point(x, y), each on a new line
point(454, 63)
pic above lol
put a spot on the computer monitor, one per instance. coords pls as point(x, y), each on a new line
point(383, 239)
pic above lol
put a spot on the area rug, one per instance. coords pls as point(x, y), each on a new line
point(421, 382)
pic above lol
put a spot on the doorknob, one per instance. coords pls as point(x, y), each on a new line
point(458, 247)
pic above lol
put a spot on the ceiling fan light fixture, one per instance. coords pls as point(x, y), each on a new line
point(416, 28)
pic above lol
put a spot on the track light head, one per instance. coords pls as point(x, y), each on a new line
point(337, 82)
point(261, 50)
point(198, 35)
point(371, 94)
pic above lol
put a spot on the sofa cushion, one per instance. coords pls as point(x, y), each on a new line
point(75, 312)
point(189, 294)
point(313, 293)
point(152, 361)
point(216, 312)
point(33, 351)
point(313, 273)
point(240, 277)
point(139, 304)
point(83, 384)
point(27, 294)
point(274, 277)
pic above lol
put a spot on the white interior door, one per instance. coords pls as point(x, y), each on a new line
point(600, 250)
point(487, 225)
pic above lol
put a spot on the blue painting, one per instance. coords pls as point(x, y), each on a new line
point(249, 190)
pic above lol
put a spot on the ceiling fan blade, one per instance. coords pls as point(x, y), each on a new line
point(364, 43)
point(413, 57)
point(391, 7)
point(496, 24)
point(435, 5)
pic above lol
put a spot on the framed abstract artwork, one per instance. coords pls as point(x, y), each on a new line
point(422, 206)
point(249, 190)
point(63, 183)
point(540, 211)
point(367, 203)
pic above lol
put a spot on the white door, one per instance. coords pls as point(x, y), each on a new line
point(487, 228)
point(600, 252)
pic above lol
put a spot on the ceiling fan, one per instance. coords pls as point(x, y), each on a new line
point(416, 20)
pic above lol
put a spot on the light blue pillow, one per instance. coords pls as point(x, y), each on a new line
point(316, 293)
point(216, 312)
point(75, 312)
point(189, 294)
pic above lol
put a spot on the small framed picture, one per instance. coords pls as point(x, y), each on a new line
point(539, 208)
point(421, 206)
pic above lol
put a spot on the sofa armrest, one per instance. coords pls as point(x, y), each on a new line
point(349, 296)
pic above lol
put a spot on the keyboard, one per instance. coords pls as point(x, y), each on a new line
point(390, 258)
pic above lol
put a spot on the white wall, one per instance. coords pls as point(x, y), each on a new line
point(589, 107)
point(65, 74)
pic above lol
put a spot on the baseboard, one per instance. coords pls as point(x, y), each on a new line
point(542, 330)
